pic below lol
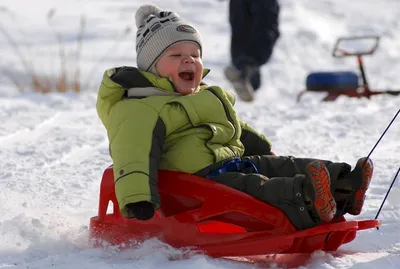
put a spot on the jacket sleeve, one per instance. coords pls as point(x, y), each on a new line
point(136, 134)
point(254, 142)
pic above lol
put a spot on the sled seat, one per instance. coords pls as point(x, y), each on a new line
point(332, 81)
point(215, 219)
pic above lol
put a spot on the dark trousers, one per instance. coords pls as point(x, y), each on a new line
point(280, 178)
point(254, 28)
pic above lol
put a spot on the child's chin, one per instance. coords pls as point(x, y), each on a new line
point(186, 91)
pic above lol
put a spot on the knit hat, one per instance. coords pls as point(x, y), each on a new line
point(157, 31)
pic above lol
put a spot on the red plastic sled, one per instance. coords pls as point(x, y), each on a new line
point(215, 219)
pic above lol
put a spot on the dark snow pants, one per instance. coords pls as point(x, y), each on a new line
point(254, 31)
point(280, 178)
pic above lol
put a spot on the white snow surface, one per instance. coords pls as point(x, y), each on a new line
point(54, 148)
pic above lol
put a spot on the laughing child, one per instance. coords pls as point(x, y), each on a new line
point(160, 115)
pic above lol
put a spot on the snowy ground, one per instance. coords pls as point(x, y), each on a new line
point(54, 148)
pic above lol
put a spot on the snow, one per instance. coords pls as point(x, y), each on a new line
point(54, 148)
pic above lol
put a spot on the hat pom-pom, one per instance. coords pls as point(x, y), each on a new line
point(143, 12)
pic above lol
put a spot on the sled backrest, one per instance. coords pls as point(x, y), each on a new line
point(212, 207)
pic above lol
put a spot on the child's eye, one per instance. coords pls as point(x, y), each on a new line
point(176, 55)
point(195, 56)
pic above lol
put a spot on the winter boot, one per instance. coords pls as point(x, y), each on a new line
point(240, 81)
point(317, 192)
point(350, 189)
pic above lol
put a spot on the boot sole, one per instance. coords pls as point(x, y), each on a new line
point(324, 202)
point(359, 196)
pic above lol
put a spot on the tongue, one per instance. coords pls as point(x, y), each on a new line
point(185, 76)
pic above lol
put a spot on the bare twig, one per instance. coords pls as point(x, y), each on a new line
point(26, 63)
point(61, 83)
point(110, 51)
point(76, 83)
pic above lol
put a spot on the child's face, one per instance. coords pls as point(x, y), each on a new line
point(182, 63)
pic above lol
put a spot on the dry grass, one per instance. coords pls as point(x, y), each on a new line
point(68, 77)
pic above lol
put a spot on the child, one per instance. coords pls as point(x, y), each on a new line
point(160, 116)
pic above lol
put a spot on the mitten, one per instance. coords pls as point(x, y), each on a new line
point(142, 210)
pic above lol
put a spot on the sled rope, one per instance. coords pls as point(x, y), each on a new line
point(387, 194)
point(380, 138)
point(394, 179)
point(366, 159)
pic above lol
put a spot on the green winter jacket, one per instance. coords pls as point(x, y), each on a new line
point(150, 126)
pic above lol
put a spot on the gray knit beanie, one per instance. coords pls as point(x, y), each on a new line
point(157, 31)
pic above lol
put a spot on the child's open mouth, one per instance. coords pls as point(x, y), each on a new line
point(187, 75)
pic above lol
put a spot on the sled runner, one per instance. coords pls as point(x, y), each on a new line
point(216, 220)
point(346, 83)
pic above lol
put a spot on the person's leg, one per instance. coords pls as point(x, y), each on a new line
point(348, 188)
point(240, 72)
point(288, 166)
point(305, 199)
point(239, 21)
point(254, 32)
point(264, 30)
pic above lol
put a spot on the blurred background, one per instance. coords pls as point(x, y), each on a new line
point(65, 46)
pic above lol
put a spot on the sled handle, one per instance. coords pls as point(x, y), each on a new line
point(339, 52)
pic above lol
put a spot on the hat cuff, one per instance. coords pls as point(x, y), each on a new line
point(152, 66)
point(152, 48)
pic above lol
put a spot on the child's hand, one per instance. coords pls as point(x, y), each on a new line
point(141, 210)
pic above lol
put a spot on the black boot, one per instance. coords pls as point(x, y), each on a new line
point(350, 188)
